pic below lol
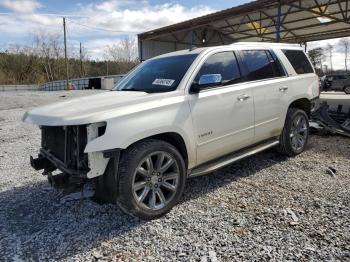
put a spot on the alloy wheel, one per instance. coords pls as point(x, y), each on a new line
point(298, 132)
point(155, 180)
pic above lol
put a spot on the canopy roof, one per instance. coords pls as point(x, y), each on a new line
point(292, 21)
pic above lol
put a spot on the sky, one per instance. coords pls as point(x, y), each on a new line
point(102, 23)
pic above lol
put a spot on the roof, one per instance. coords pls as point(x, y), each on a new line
point(268, 44)
point(241, 45)
point(299, 21)
point(184, 52)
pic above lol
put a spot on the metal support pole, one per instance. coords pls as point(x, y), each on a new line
point(192, 39)
point(278, 23)
point(81, 60)
point(140, 50)
point(65, 51)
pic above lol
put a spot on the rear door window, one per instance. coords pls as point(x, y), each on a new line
point(299, 61)
point(276, 64)
point(224, 63)
point(260, 65)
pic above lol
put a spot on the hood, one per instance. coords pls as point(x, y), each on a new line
point(91, 109)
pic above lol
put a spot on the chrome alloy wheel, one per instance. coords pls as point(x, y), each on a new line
point(155, 180)
point(298, 132)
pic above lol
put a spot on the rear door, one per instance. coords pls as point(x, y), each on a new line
point(223, 116)
point(267, 79)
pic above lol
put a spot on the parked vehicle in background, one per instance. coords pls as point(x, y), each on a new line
point(179, 115)
point(336, 83)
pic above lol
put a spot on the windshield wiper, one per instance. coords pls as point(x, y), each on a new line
point(144, 90)
point(132, 89)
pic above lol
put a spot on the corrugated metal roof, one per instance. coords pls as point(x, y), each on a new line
point(301, 21)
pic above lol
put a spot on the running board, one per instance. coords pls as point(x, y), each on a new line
point(231, 158)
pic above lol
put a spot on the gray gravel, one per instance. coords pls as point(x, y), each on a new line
point(266, 207)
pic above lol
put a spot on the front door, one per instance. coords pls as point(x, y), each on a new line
point(223, 116)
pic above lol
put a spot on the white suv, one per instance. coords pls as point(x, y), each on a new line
point(176, 116)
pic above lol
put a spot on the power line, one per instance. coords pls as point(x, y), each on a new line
point(103, 29)
point(44, 14)
point(74, 22)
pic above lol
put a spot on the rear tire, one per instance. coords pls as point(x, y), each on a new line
point(152, 176)
point(295, 133)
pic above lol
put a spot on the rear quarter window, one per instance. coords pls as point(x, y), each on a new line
point(299, 61)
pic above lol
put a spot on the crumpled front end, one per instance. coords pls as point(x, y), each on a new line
point(62, 148)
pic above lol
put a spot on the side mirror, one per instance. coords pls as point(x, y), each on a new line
point(206, 81)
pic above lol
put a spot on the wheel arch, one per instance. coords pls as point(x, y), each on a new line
point(173, 138)
point(303, 104)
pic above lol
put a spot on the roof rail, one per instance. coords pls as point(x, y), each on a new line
point(265, 44)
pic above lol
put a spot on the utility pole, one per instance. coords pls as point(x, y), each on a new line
point(330, 50)
point(65, 51)
point(81, 61)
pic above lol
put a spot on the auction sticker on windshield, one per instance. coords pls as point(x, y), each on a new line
point(163, 82)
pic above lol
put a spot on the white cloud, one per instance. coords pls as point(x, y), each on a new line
point(110, 15)
point(126, 16)
point(21, 6)
point(338, 58)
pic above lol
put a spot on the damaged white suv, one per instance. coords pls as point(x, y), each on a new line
point(176, 116)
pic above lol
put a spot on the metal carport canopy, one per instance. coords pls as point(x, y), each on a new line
point(290, 21)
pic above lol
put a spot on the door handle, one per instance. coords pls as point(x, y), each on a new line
point(283, 89)
point(243, 97)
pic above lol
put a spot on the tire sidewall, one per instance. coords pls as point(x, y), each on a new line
point(293, 113)
point(128, 164)
point(347, 88)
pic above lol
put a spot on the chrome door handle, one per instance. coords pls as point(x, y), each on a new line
point(243, 97)
point(283, 89)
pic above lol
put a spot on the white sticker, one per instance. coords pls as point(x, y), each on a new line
point(163, 82)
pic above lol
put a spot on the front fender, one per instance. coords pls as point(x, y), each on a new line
point(123, 131)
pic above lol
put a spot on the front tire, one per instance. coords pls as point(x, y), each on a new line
point(347, 90)
point(295, 133)
point(152, 176)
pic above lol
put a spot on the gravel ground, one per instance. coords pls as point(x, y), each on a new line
point(266, 207)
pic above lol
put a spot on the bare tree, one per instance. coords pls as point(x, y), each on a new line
point(345, 43)
point(124, 51)
point(18, 64)
point(48, 46)
point(43, 61)
point(316, 57)
point(330, 51)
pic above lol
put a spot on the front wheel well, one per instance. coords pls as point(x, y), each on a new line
point(303, 104)
point(175, 140)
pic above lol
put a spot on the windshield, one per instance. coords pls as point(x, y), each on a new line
point(157, 75)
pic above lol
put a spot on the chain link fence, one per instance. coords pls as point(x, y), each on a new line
point(99, 82)
point(82, 83)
